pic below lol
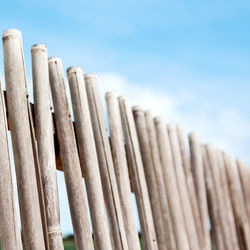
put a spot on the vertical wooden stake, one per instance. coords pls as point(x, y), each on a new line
point(121, 169)
point(182, 187)
point(45, 141)
point(171, 186)
point(69, 156)
point(237, 199)
point(197, 168)
point(17, 95)
point(10, 236)
point(157, 168)
point(244, 173)
point(227, 201)
point(212, 199)
point(153, 191)
point(139, 181)
point(87, 149)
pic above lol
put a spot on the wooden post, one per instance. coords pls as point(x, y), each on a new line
point(69, 156)
point(10, 236)
point(87, 149)
point(213, 207)
point(213, 163)
point(182, 187)
point(138, 176)
point(17, 99)
point(198, 186)
point(244, 173)
point(226, 201)
point(153, 191)
point(157, 168)
point(237, 199)
point(45, 142)
point(121, 169)
point(171, 186)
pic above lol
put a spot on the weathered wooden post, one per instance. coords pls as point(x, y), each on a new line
point(121, 169)
point(154, 151)
point(87, 149)
point(237, 199)
point(198, 186)
point(171, 185)
point(213, 163)
point(17, 99)
point(138, 176)
point(153, 190)
point(212, 200)
point(45, 142)
point(226, 201)
point(10, 236)
point(244, 173)
point(69, 156)
point(182, 187)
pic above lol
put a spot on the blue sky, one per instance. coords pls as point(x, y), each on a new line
point(186, 60)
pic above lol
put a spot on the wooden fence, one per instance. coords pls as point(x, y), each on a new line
point(186, 199)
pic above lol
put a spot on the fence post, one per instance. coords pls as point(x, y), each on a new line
point(171, 185)
point(121, 169)
point(182, 187)
point(87, 149)
point(17, 99)
point(157, 168)
point(213, 208)
point(10, 235)
point(153, 191)
point(138, 176)
point(244, 173)
point(45, 141)
point(196, 171)
point(69, 156)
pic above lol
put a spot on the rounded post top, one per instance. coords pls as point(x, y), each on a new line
point(159, 119)
point(12, 32)
point(148, 113)
point(39, 46)
point(54, 59)
point(90, 76)
point(137, 109)
point(194, 136)
point(123, 98)
point(111, 94)
point(74, 69)
point(171, 126)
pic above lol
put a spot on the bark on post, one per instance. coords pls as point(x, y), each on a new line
point(174, 201)
point(154, 151)
point(212, 199)
point(45, 141)
point(87, 150)
point(153, 191)
point(237, 199)
point(244, 173)
point(198, 186)
point(10, 236)
point(69, 156)
point(138, 176)
point(17, 99)
point(182, 187)
point(121, 169)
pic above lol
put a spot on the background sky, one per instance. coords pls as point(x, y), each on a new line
point(188, 61)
